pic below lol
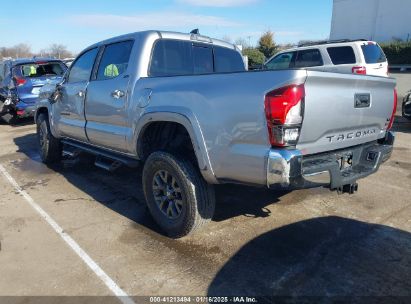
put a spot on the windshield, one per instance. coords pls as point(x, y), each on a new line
point(33, 70)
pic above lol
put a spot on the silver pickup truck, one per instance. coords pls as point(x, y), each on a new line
point(184, 106)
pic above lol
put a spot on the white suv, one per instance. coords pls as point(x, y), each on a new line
point(341, 56)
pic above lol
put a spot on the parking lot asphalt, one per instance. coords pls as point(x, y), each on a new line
point(260, 243)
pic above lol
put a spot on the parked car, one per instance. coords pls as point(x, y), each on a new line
point(184, 106)
point(340, 56)
point(406, 106)
point(20, 83)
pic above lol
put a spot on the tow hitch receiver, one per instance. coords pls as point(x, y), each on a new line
point(349, 188)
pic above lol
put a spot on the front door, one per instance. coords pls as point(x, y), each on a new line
point(69, 109)
point(107, 98)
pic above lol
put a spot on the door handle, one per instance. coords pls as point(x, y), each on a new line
point(117, 94)
point(80, 94)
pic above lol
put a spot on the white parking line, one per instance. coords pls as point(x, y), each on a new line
point(118, 292)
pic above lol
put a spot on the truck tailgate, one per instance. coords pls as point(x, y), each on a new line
point(343, 110)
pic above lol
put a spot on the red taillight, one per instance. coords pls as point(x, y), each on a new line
point(394, 110)
point(283, 111)
point(360, 70)
point(20, 81)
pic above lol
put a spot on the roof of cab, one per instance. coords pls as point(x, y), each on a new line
point(326, 45)
point(166, 35)
point(19, 61)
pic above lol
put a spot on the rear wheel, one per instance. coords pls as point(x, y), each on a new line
point(10, 118)
point(404, 115)
point(49, 146)
point(177, 196)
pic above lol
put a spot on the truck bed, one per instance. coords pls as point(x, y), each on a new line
point(229, 109)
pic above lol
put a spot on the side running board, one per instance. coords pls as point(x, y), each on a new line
point(105, 159)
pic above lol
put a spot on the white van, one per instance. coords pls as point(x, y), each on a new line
point(342, 56)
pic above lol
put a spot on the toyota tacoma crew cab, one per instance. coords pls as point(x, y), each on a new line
point(184, 107)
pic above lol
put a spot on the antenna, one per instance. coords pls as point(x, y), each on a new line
point(195, 31)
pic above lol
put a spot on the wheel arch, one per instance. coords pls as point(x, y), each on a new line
point(41, 110)
point(189, 122)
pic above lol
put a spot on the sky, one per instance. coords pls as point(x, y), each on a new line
point(78, 24)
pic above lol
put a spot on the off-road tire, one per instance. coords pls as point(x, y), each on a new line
point(50, 148)
point(9, 118)
point(403, 115)
point(197, 196)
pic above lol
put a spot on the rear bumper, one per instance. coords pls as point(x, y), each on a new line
point(25, 110)
point(291, 169)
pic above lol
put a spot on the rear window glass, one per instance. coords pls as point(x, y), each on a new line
point(40, 70)
point(174, 58)
point(342, 55)
point(226, 60)
point(308, 58)
point(373, 53)
point(203, 60)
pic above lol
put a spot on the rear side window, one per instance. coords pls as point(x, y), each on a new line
point(115, 60)
point(342, 55)
point(281, 61)
point(34, 70)
point(82, 67)
point(373, 53)
point(171, 58)
point(308, 58)
point(226, 60)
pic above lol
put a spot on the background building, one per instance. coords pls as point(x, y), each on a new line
point(379, 20)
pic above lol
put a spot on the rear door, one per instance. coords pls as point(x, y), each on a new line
point(342, 110)
point(310, 58)
point(375, 60)
point(69, 110)
point(107, 97)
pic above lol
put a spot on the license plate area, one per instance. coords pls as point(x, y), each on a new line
point(362, 100)
point(345, 161)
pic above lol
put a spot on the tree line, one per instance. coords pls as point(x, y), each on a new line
point(23, 50)
point(265, 48)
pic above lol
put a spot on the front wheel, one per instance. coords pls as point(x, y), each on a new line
point(178, 197)
point(49, 146)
